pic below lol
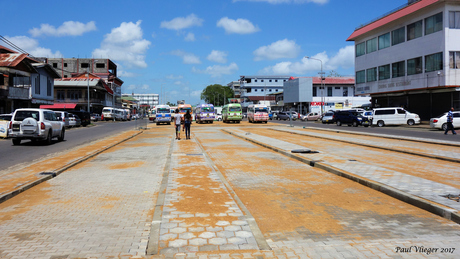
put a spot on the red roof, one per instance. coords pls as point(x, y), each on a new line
point(330, 80)
point(391, 17)
point(60, 106)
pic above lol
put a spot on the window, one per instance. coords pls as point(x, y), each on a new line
point(454, 20)
point(371, 74)
point(55, 65)
point(65, 64)
point(48, 87)
point(414, 66)
point(100, 65)
point(315, 91)
point(255, 90)
point(345, 91)
point(270, 90)
point(399, 69)
point(454, 59)
point(276, 90)
point(433, 62)
point(60, 95)
point(384, 72)
point(276, 80)
point(398, 36)
point(255, 80)
point(371, 45)
point(360, 76)
point(433, 24)
point(414, 30)
point(270, 80)
point(262, 80)
point(37, 84)
point(360, 49)
point(329, 91)
point(337, 88)
point(384, 41)
point(84, 65)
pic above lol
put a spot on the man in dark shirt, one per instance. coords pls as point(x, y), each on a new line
point(450, 120)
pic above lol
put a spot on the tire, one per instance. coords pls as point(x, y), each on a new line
point(62, 136)
point(212, 122)
point(355, 124)
point(339, 123)
point(410, 122)
point(16, 141)
point(444, 126)
point(380, 123)
point(49, 138)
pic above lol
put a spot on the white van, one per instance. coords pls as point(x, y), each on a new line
point(394, 116)
point(108, 113)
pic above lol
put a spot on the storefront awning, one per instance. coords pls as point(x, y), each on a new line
point(59, 106)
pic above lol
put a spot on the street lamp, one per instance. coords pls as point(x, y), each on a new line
point(322, 77)
point(87, 75)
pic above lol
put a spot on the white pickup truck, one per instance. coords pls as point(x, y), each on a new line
point(35, 124)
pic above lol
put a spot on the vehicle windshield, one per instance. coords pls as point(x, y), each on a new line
point(184, 110)
point(163, 110)
point(261, 110)
point(107, 110)
point(329, 114)
point(235, 109)
point(21, 115)
point(207, 109)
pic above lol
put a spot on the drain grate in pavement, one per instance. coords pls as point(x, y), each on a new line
point(48, 173)
point(194, 154)
point(452, 197)
point(304, 151)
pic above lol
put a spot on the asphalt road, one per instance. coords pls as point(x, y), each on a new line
point(13, 156)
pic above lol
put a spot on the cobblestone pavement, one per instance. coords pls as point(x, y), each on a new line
point(215, 196)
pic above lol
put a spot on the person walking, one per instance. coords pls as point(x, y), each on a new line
point(187, 123)
point(450, 120)
point(177, 120)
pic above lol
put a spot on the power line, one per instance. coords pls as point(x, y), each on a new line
point(14, 46)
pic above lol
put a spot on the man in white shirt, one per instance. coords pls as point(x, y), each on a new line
point(177, 120)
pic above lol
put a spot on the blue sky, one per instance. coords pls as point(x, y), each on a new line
point(178, 47)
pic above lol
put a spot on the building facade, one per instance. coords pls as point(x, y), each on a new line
point(411, 57)
point(144, 100)
point(104, 69)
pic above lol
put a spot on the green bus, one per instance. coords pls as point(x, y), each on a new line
point(232, 112)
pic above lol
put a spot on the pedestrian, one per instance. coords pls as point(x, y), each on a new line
point(177, 120)
point(450, 121)
point(187, 123)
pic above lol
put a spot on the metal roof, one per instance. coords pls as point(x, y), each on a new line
point(331, 80)
point(76, 82)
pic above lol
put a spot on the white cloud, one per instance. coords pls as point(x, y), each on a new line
point(32, 47)
point(69, 28)
point(217, 56)
point(173, 77)
point(125, 44)
point(196, 93)
point(187, 58)
point(239, 26)
point(138, 87)
point(344, 59)
point(181, 23)
point(189, 37)
point(217, 70)
point(280, 49)
point(286, 1)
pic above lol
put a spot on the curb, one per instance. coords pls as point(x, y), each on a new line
point(450, 214)
point(454, 160)
point(58, 171)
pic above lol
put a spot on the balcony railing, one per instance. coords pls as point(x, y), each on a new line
point(18, 93)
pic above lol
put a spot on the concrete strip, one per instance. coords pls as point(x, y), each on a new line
point(260, 239)
point(154, 236)
point(60, 170)
point(434, 208)
point(450, 159)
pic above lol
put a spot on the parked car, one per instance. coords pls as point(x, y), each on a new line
point(95, 117)
point(85, 117)
point(218, 117)
point(108, 113)
point(274, 115)
point(440, 122)
point(285, 116)
point(4, 124)
point(369, 115)
point(75, 121)
point(351, 118)
point(313, 116)
point(35, 124)
point(328, 117)
point(64, 117)
point(394, 116)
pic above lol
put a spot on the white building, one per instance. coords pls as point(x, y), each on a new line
point(411, 57)
point(145, 99)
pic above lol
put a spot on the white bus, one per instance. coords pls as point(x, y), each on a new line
point(163, 114)
point(258, 113)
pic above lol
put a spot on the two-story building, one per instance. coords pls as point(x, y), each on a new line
point(410, 57)
point(24, 81)
point(258, 88)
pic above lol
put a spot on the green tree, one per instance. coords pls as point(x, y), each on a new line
point(333, 73)
point(217, 94)
point(171, 104)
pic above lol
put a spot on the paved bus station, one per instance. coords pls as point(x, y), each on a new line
point(236, 191)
